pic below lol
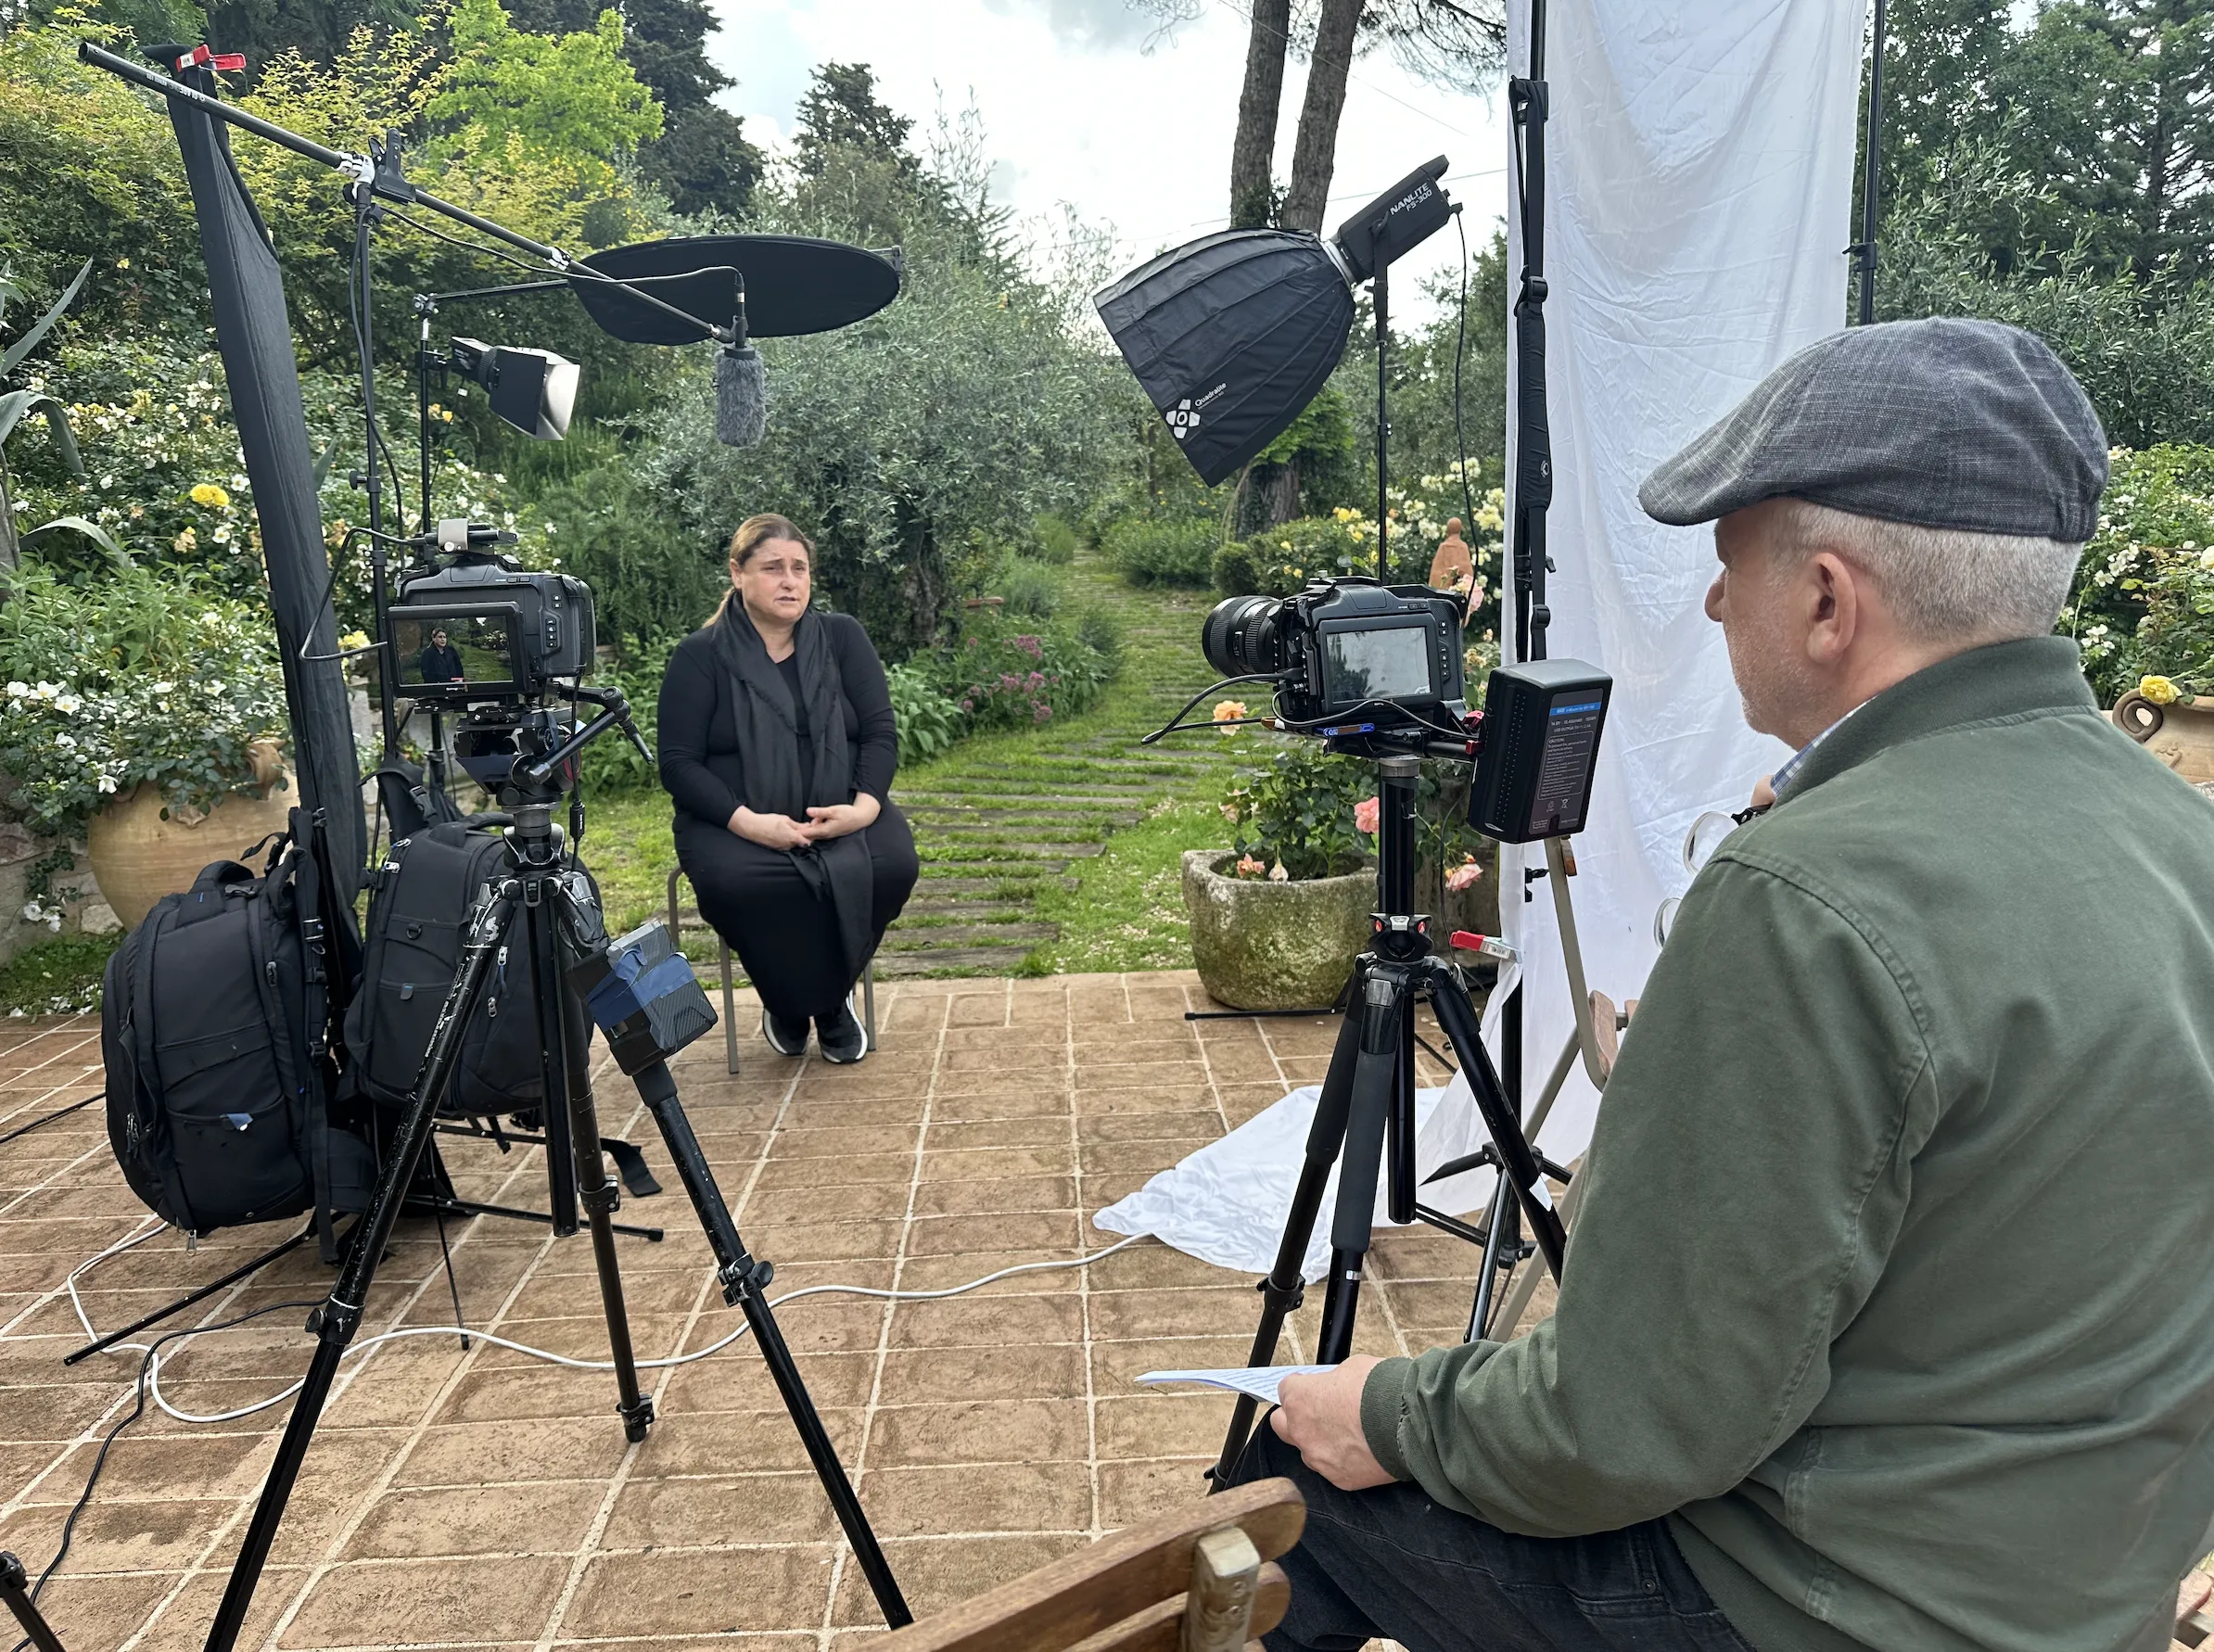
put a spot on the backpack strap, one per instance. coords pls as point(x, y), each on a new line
point(149, 1074)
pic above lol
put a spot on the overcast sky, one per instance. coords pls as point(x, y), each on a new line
point(1082, 104)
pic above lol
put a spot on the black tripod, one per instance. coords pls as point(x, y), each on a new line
point(562, 922)
point(1365, 1119)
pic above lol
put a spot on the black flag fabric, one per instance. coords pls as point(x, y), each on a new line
point(1231, 335)
point(254, 333)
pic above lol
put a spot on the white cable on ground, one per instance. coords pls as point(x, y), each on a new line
point(369, 1343)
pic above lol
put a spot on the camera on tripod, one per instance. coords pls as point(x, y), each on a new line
point(1376, 669)
point(484, 638)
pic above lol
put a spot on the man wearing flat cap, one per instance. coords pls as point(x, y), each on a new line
point(1888, 1320)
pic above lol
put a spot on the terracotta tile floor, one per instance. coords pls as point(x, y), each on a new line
point(483, 1498)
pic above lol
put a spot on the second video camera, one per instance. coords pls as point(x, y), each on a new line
point(1348, 650)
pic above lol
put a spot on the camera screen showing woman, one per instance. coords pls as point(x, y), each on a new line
point(778, 745)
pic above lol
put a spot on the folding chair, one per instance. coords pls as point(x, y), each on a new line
point(730, 1019)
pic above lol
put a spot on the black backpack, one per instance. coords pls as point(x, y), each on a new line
point(215, 1028)
point(418, 906)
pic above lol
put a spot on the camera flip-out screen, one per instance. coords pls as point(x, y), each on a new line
point(459, 652)
point(1376, 661)
point(1541, 749)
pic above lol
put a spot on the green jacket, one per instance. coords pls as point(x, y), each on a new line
point(1894, 1284)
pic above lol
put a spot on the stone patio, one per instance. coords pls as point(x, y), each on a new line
point(484, 1498)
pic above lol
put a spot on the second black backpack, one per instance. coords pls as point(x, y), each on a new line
point(418, 906)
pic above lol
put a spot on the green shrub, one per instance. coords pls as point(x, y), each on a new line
point(611, 763)
point(2145, 597)
point(929, 721)
point(1051, 539)
point(1100, 632)
point(1004, 677)
point(1294, 809)
point(1155, 553)
point(1030, 590)
point(1278, 561)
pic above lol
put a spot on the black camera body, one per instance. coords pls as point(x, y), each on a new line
point(485, 629)
point(1349, 650)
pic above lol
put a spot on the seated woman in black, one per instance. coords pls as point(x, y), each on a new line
point(778, 745)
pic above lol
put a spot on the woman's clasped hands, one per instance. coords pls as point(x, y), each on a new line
point(823, 821)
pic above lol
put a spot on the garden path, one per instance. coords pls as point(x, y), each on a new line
point(1002, 822)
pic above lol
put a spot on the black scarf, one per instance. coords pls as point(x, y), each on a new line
point(838, 870)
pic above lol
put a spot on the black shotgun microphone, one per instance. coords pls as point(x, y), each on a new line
point(741, 391)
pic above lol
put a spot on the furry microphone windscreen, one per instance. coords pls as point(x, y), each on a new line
point(741, 398)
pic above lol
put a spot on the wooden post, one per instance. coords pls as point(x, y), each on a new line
point(1218, 1611)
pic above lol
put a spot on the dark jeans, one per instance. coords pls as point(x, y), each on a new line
point(1390, 1562)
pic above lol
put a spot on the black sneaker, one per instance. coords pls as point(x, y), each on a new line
point(840, 1037)
point(786, 1038)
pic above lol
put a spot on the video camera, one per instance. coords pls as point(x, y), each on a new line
point(1376, 669)
point(483, 628)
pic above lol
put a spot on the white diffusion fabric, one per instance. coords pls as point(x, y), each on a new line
point(1699, 170)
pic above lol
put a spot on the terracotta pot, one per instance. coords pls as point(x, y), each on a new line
point(2180, 736)
point(142, 850)
point(1263, 945)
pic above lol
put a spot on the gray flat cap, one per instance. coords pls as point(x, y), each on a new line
point(1967, 424)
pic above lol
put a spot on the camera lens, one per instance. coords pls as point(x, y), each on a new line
point(1239, 638)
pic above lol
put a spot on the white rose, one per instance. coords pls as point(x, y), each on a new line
point(15, 690)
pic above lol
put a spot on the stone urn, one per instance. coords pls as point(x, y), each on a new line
point(1266, 946)
point(2180, 736)
point(142, 849)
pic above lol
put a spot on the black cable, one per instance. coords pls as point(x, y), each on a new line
point(69, 1528)
point(330, 584)
point(60, 1114)
point(361, 348)
point(1177, 722)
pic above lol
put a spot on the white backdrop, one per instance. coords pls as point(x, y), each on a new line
point(1700, 172)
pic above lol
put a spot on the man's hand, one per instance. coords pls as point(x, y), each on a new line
point(838, 819)
point(1321, 1416)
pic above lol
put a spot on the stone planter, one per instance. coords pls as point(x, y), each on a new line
point(2180, 736)
point(1263, 945)
point(142, 850)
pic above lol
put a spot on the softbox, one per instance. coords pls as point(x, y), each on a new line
point(254, 334)
point(1231, 335)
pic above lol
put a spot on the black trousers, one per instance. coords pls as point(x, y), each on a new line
point(1390, 1563)
point(786, 939)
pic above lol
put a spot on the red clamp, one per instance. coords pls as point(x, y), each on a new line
point(201, 58)
point(1490, 945)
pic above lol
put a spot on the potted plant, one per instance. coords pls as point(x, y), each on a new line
point(1277, 918)
point(144, 712)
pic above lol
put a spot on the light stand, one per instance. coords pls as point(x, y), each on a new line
point(1863, 251)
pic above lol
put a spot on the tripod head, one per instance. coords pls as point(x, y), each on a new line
point(527, 754)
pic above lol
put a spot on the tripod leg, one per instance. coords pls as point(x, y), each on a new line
point(1285, 1288)
point(1457, 1016)
point(744, 1283)
point(572, 1036)
point(1384, 1009)
point(340, 1317)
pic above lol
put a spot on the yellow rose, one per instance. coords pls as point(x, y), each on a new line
point(354, 639)
point(1226, 710)
point(2158, 690)
point(209, 494)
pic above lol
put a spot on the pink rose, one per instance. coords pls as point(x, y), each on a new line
point(1248, 867)
point(1463, 875)
point(1364, 816)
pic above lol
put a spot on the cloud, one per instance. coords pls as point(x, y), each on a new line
point(1092, 25)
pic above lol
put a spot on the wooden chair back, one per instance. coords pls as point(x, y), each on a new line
point(1199, 1579)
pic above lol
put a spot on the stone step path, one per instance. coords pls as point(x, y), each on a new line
point(994, 818)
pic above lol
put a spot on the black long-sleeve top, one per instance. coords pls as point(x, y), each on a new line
point(702, 766)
